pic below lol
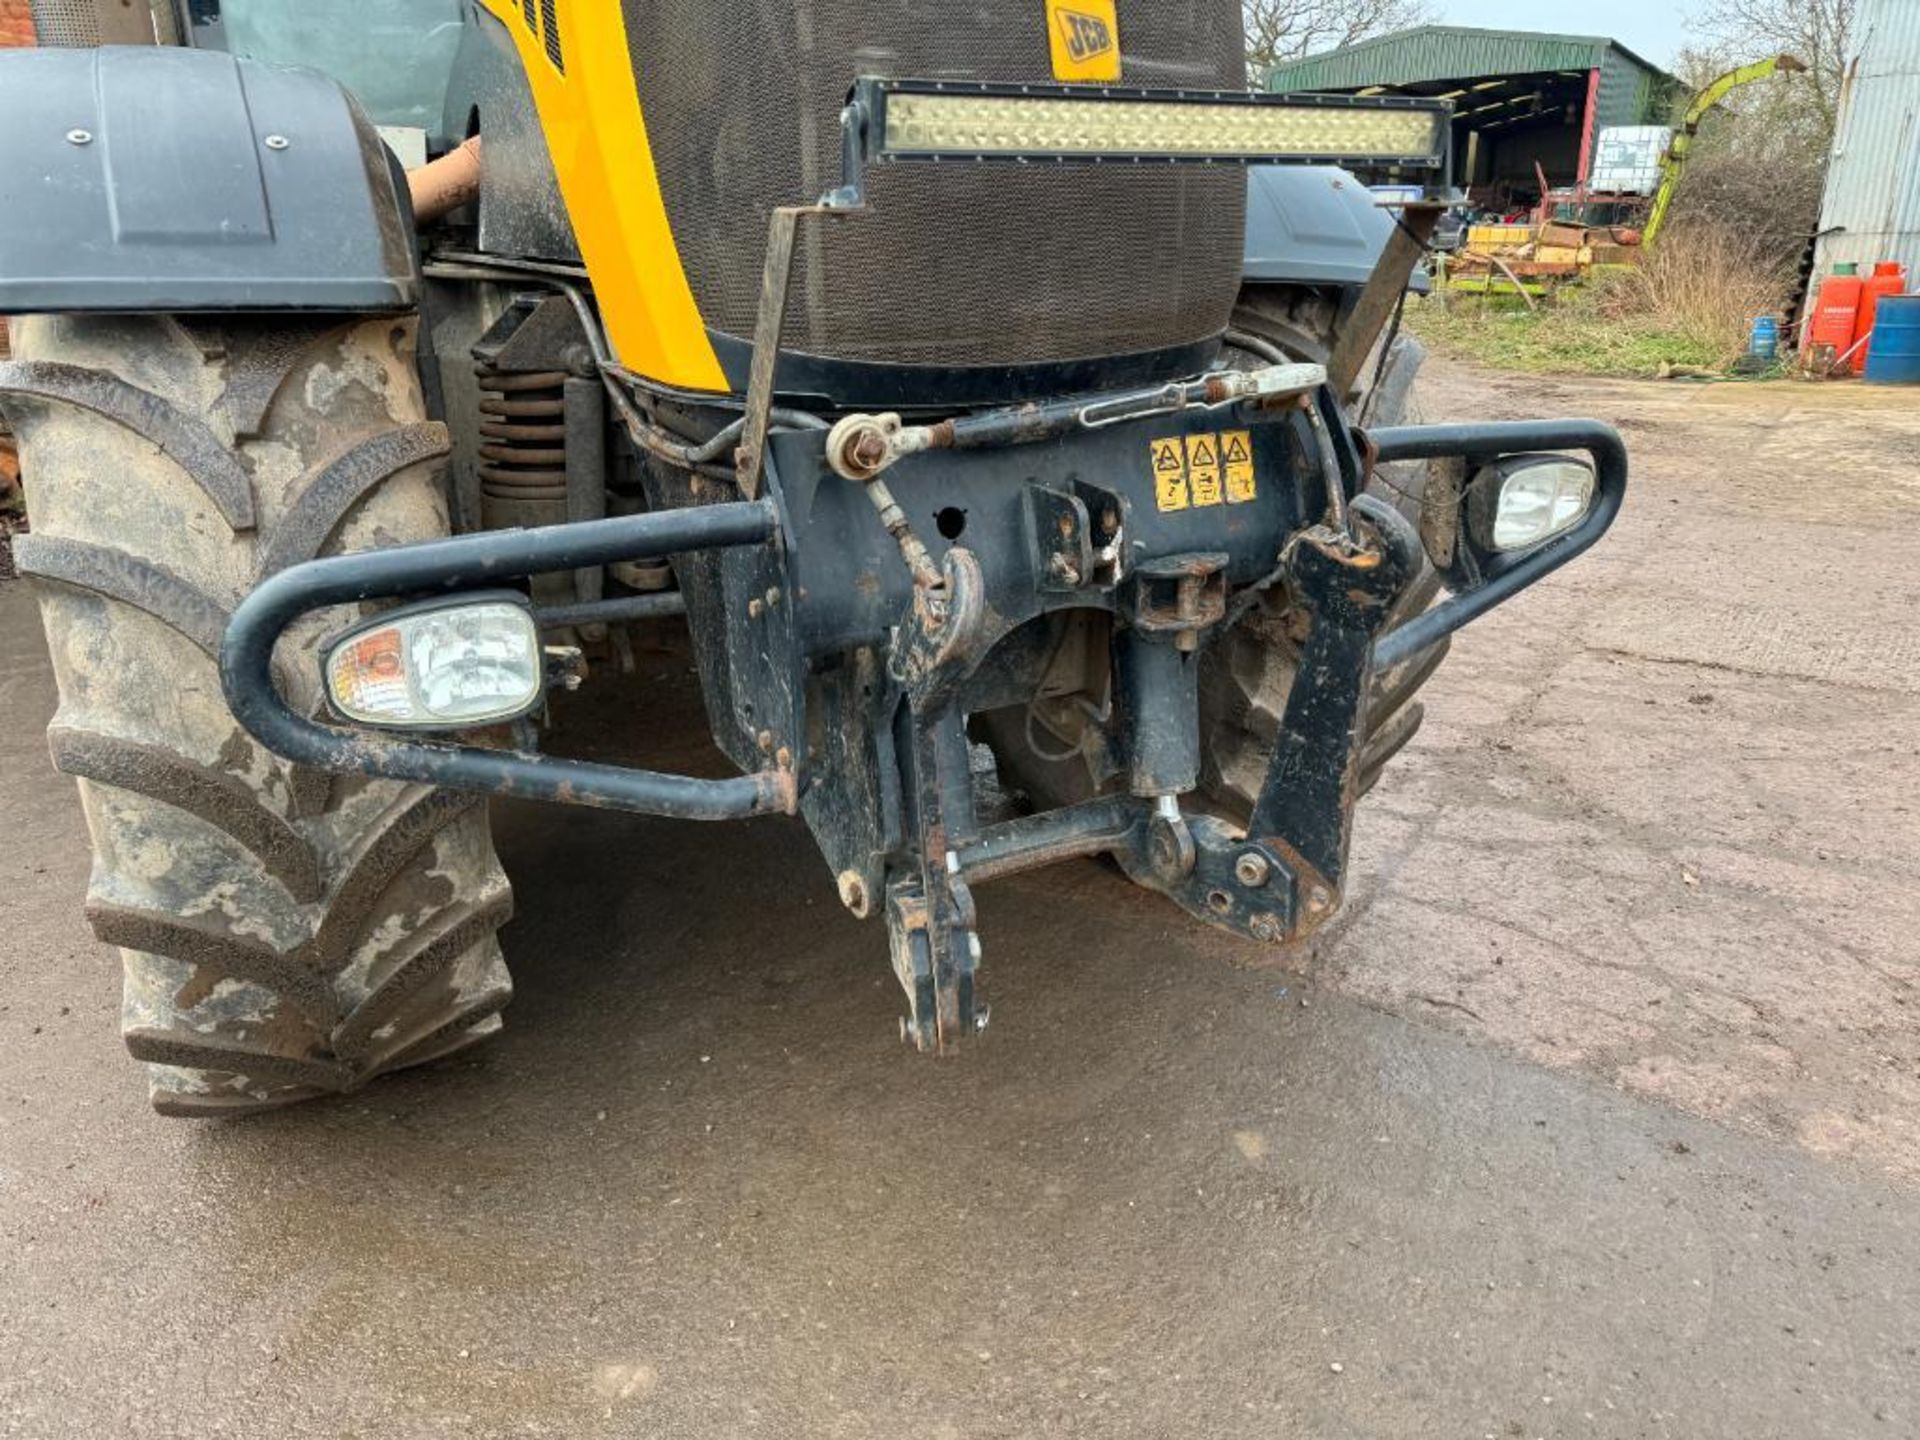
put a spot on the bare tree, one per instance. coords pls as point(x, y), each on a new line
point(1817, 31)
point(1286, 29)
point(1758, 165)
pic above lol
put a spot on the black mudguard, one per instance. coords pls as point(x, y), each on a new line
point(150, 178)
point(1313, 225)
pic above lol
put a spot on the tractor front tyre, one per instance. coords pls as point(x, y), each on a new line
point(285, 933)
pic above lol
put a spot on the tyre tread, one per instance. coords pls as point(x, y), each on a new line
point(305, 1020)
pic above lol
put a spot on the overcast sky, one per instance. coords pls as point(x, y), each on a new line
point(1654, 29)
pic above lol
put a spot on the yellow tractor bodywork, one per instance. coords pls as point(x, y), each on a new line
point(597, 138)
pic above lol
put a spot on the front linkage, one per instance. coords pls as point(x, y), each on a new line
point(842, 649)
point(842, 646)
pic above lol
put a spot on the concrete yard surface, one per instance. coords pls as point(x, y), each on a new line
point(1594, 1115)
point(1663, 823)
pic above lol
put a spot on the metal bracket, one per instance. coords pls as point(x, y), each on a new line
point(776, 275)
point(1305, 807)
point(930, 915)
point(1062, 538)
point(1364, 320)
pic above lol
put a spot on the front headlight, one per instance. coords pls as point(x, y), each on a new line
point(439, 666)
point(1525, 500)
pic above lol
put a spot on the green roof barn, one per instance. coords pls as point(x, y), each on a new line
point(1519, 98)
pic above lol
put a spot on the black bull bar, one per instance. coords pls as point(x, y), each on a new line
point(1301, 822)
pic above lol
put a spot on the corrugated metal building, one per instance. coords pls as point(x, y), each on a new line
point(1519, 97)
point(1872, 204)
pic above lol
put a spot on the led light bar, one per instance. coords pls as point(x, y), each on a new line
point(942, 120)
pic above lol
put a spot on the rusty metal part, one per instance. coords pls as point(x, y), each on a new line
point(854, 893)
point(1305, 807)
point(523, 453)
point(1354, 335)
point(1252, 869)
point(1180, 595)
point(1440, 508)
point(1332, 481)
point(913, 550)
point(1170, 846)
point(1092, 828)
point(945, 633)
point(860, 446)
point(567, 280)
point(1318, 896)
point(776, 272)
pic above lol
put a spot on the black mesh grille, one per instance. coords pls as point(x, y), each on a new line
point(990, 265)
point(528, 9)
point(550, 30)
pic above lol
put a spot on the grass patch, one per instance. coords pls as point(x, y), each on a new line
point(1563, 337)
point(1688, 303)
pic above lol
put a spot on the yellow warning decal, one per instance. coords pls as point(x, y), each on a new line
point(1084, 37)
point(1201, 470)
point(1169, 474)
point(1236, 459)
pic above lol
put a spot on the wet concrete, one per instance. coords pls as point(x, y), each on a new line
point(1656, 852)
point(698, 1189)
point(1662, 825)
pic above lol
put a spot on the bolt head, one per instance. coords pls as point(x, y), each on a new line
point(870, 447)
point(277, 142)
point(1251, 869)
point(1318, 899)
point(1170, 847)
point(756, 608)
point(79, 137)
point(1266, 928)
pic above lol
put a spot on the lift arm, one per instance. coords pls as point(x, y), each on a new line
point(1674, 160)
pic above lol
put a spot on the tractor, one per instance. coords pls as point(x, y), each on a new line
point(1001, 404)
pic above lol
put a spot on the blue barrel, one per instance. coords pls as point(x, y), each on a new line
point(1893, 355)
point(1764, 340)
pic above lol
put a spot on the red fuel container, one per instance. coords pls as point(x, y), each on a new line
point(1835, 311)
point(1889, 278)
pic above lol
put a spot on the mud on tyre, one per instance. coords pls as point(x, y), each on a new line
point(285, 933)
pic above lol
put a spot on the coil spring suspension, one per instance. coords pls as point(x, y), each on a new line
point(523, 451)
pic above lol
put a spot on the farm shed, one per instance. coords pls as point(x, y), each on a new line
point(1520, 98)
